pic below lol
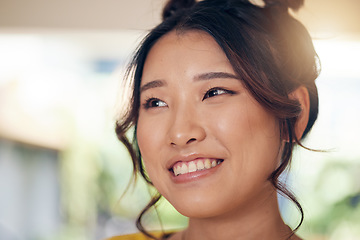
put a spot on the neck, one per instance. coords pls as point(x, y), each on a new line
point(260, 220)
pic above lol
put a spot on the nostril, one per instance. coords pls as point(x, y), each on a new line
point(188, 142)
point(191, 140)
point(186, 134)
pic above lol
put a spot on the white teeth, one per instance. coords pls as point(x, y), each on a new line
point(184, 169)
point(200, 165)
point(207, 163)
point(177, 170)
point(193, 166)
point(213, 163)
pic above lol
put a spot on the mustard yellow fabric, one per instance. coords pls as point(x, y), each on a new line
point(135, 236)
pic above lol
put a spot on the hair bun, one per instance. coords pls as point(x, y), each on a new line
point(293, 4)
point(173, 6)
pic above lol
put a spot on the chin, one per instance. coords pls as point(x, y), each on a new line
point(197, 213)
point(201, 209)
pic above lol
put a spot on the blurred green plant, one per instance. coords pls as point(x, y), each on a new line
point(337, 194)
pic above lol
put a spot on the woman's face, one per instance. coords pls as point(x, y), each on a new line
point(207, 145)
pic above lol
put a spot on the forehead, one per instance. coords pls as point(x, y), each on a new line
point(197, 38)
point(184, 53)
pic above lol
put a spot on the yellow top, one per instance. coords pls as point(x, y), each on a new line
point(135, 236)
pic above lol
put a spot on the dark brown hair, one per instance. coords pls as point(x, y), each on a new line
point(268, 49)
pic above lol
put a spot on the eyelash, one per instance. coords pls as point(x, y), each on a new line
point(225, 91)
point(148, 102)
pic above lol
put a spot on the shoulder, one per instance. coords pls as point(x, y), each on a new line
point(135, 236)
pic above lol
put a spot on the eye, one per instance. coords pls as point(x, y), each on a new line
point(216, 91)
point(154, 103)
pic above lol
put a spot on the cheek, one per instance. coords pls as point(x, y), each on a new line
point(230, 125)
point(143, 137)
point(249, 132)
point(148, 134)
point(150, 142)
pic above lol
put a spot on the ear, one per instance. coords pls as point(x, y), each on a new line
point(301, 94)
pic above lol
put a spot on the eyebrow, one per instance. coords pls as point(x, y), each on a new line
point(152, 84)
point(200, 77)
point(213, 75)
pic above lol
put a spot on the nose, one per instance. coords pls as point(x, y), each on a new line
point(186, 127)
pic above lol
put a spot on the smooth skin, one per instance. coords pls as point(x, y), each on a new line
point(194, 106)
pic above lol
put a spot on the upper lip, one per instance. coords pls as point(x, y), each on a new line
point(187, 158)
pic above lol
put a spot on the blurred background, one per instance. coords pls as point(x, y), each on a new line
point(62, 171)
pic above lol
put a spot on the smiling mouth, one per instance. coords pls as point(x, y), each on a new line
point(181, 168)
